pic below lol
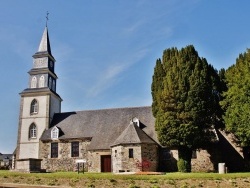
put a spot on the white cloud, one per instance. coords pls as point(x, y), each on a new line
point(132, 28)
point(105, 80)
point(110, 76)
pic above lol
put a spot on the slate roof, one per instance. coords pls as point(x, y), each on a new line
point(133, 135)
point(5, 157)
point(45, 43)
point(103, 127)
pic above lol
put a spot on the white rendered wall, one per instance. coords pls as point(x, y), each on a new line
point(42, 106)
point(29, 150)
point(40, 125)
point(29, 147)
point(47, 106)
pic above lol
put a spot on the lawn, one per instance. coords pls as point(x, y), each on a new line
point(96, 180)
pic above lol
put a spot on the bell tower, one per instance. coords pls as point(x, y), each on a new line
point(39, 101)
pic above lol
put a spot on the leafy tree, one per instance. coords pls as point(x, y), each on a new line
point(185, 101)
point(236, 100)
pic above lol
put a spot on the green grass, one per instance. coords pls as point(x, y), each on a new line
point(110, 176)
point(92, 180)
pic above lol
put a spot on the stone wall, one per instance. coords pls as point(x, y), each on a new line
point(28, 165)
point(121, 161)
point(94, 160)
point(145, 158)
point(201, 162)
point(64, 162)
point(150, 157)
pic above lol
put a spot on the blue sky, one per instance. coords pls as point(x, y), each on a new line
point(106, 50)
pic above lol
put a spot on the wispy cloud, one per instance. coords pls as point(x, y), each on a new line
point(111, 75)
point(132, 27)
point(107, 79)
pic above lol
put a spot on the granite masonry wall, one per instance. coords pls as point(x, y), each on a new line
point(64, 162)
point(202, 162)
point(121, 161)
point(145, 158)
point(94, 160)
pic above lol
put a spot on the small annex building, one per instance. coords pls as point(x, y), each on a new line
point(109, 140)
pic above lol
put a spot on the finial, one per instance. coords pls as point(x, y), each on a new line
point(47, 18)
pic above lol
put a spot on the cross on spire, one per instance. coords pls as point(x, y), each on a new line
point(47, 18)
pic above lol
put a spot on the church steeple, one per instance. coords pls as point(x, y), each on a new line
point(43, 57)
point(42, 74)
point(45, 44)
point(39, 101)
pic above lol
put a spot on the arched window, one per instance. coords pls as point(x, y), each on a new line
point(54, 85)
point(41, 81)
point(33, 82)
point(54, 133)
point(34, 107)
point(50, 83)
point(32, 131)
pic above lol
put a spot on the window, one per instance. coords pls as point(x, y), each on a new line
point(54, 133)
point(74, 149)
point(54, 85)
point(34, 107)
point(41, 81)
point(32, 131)
point(33, 82)
point(131, 153)
point(54, 150)
point(50, 83)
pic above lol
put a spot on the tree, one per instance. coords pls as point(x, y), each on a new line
point(185, 101)
point(236, 100)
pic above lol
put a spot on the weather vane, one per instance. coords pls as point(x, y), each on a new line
point(47, 18)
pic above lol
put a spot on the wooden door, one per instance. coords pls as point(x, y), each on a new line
point(105, 163)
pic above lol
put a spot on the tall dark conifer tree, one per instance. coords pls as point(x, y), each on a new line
point(236, 99)
point(185, 100)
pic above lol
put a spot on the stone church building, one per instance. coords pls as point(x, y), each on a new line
point(105, 140)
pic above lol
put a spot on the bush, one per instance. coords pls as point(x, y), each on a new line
point(183, 166)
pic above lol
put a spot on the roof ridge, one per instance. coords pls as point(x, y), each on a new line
point(91, 110)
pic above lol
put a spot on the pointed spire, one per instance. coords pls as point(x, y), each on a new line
point(45, 44)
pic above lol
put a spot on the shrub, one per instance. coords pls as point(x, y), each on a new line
point(183, 166)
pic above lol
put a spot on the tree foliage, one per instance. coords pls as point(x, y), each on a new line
point(236, 100)
point(185, 92)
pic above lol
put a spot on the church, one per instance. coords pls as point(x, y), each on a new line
point(106, 140)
